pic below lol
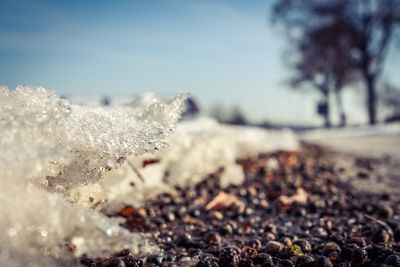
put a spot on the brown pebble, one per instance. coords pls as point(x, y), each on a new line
point(273, 247)
point(385, 212)
point(217, 215)
point(330, 247)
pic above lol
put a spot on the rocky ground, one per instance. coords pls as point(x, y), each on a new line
point(308, 208)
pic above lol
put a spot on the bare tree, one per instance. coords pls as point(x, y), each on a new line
point(324, 63)
point(369, 27)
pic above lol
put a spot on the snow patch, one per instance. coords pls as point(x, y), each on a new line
point(49, 149)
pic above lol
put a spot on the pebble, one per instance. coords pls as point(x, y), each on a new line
point(304, 245)
point(304, 261)
point(217, 215)
point(255, 243)
point(393, 260)
point(294, 250)
point(229, 257)
point(208, 262)
point(380, 236)
point(385, 212)
point(274, 247)
point(359, 256)
point(117, 263)
point(330, 247)
point(213, 238)
point(263, 260)
point(322, 261)
point(287, 263)
point(156, 259)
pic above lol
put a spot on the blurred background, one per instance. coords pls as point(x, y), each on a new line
point(277, 63)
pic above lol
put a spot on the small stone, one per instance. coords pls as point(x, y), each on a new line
point(229, 256)
point(330, 247)
point(287, 241)
point(358, 241)
point(117, 263)
point(381, 236)
point(304, 261)
point(248, 252)
point(329, 225)
point(359, 256)
point(208, 262)
point(287, 263)
point(294, 250)
point(255, 244)
point(252, 191)
point(270, 236)
point(169, 258)
point(142, 213)
point(217, 215)
point(263, 260)
point(184, 239)
point(156, 259)
point(322, 261)
point(185, 260)
point(227, 229)
point(385, 212)
point(170, 216)
point(131, 261)
point(213, 238)
point(273, 247)
point(393, 260)
point(190, 220)
point(304, 245)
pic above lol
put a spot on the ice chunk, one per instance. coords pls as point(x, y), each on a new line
point(48, 146)
point(100, 138)
point(43, 229)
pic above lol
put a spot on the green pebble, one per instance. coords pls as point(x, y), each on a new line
point(294, 250)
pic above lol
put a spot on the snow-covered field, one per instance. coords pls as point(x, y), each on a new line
point(378, 140)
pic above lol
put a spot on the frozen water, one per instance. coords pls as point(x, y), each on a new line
point(198, 148)
point(48, 147)
point(99, 139)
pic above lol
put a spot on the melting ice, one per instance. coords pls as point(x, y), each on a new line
point(48, 148)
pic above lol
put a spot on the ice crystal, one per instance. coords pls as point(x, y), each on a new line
point(48, 147)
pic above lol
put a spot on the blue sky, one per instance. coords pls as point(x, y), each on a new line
point(219, 51)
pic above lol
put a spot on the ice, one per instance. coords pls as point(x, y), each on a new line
point(199, 147)
point(49, 151)
point(101, 138)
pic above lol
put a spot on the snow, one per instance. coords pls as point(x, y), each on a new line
point(375, 141)
point(48, 149)
point(353, 131)
point(62, 163)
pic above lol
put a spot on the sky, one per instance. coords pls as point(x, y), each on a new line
point(222, 52)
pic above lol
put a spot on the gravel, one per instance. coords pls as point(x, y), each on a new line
point(309, 210)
